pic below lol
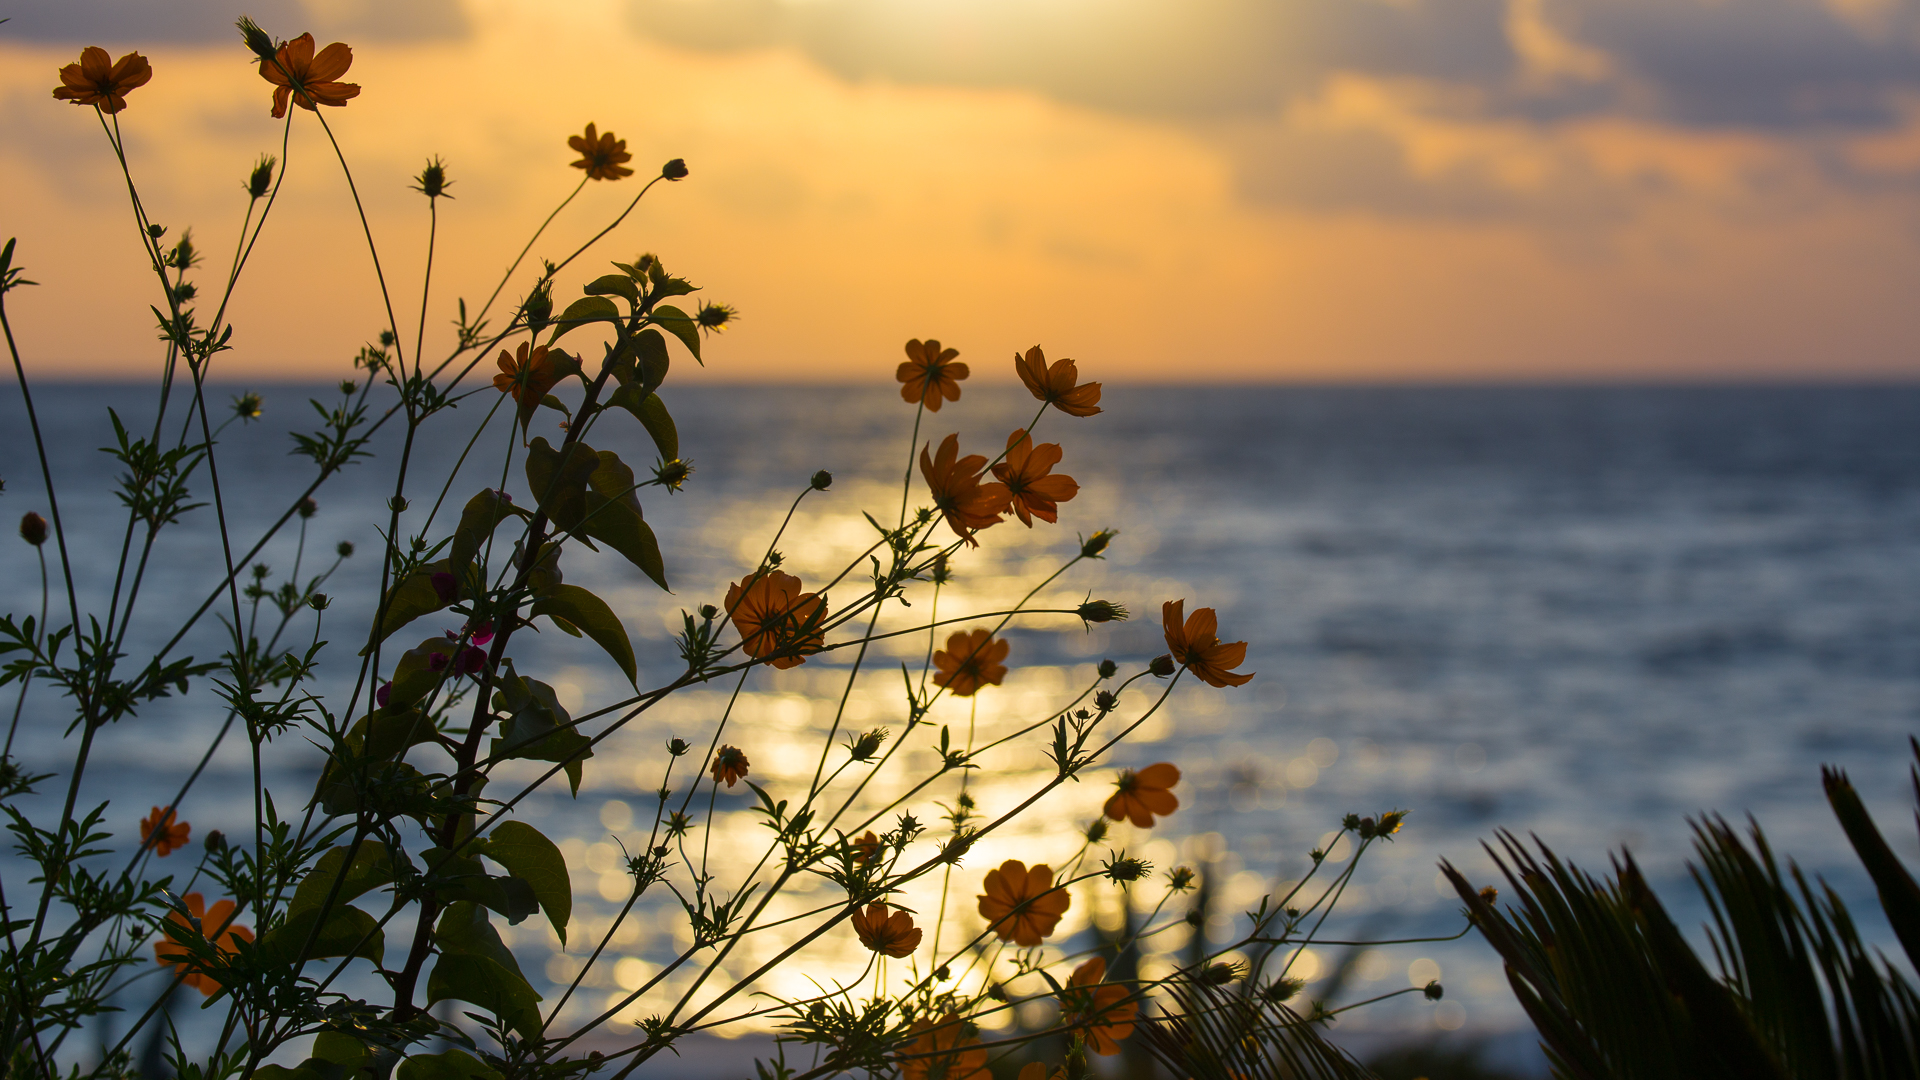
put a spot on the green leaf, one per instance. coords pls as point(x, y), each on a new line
point(613, 285)
point(591, 615)
point(483, 513)
point(370, 869)
point(652, 414)
point(462, 878)
point(536, 728)
point(650, 356)
point(560, 488)
point(613, 517)
point(1899, 895)
point(348, 931)
point(417, 595)
point(475, 967)
point(680, 325)
point(581, 312)
point(674, 286)
point(339, 1048)
point(418, 673)
point(310, 1069)
point(530, 856)
point(449, 1065)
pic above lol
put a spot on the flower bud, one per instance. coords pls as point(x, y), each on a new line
point(348, 386)
point(386, 339)
point(822, 480)
point(306, 508)
point(1280, 990)
point(260, 180)
point(1092, 546)
point(677, 747)
point(33, 529)
point(432, 181)
point(156, 231)
point(1434, 990)
point(1099, 611)
point(319, 601)
point(397, 504)
point(1489, 895)
point(1105, 701)
point(1220, 974)
point(216, 840)
point(868, 745)
point(258, 41)
point(674, 170)
point(660, 851)
point(1162, 665)
point(344, 550)
point(247, 406)
point(1108, 668)
point(1390, 822)
point(1097, 831)
point(1180, 878)
point(1194, 918)
point(715, 316)
point(1122, 870)
point(709, 612)
point(672, 475)
point(537, 309)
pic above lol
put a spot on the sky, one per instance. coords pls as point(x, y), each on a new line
point(1163, 190)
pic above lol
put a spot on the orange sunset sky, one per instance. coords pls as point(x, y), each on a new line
point(1164, 190)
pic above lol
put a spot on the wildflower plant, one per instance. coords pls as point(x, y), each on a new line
point(354, 929)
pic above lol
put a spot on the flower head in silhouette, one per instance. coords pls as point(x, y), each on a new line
point(102, 81)
point(970, 661)
point(162, 833)
point(309, 80)
point(894, 935)
point(729, 765)
point(1100, 1010)
point(774, 616)
point(1034, 489)
point(930, 377)
point(211, 921)
point(968, 504)
point(601, 154)
point(1021, 905)
point(1059, 385)
point(1195, 644)
point(946, 1049)
point(1143, 794)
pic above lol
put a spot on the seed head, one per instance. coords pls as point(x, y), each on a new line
point(260, 180)
point(432, 181)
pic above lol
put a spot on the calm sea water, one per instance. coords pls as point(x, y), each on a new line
point(1584, 614)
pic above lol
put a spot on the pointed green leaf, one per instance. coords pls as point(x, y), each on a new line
point(482, 514)
point(650, 358)
point(680, 325)
point(1899, 895)
point(448, 1065)
point(593, 617)
point(559, 487)
point(613, 285)
point(348, 932)
point(418, 595)
point(652, 414)
point(581, 312)
point(476, 967)
point(537, 728)
point(530, 856)
point(370, 869)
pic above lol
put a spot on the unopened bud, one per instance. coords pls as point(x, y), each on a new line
point(1162, 665)
point(344, 550)
point(869, 744)
point(1122, 870)
point(822, 480)
point(348, 386)
point(319, 601)
point(397, 504)
point(1220, 974)
point(1434, 991)
point(1180, 878)
point(1099, 611)
point(708, 611)
point(1097, 831)
point(1489, 895)
point(432, 181)
point(674, 170)
point(1108, 668)
point(1092, 546)
point(1280, 990)
point(33, 529)
point(1105, 701)
point(677, 747)
point(306, 507)
point(258, 41)
point(261, 179)
point(386, 339)
point(216, 840)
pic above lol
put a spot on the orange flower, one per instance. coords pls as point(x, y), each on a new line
point(729, 764)
point(1021, 905)
point(1195, 644)
point(773, 615)
point(1034, 1070)
point(867, 848)
point(601, 155)
point(895, 935)
point(101, 81)
point(1145, 793)
point(970, 661)
point(1101, 1012)
point(947, 1050)
point(211, 921)
point(958, 492)
point(310, 80)
point(528, 374)
point(1036, 491)
point(930, 375)
point(159, 831)
point(1055, 385)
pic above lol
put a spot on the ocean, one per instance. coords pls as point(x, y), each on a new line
point(1582, 614)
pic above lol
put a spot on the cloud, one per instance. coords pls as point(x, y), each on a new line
point(130, 24)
